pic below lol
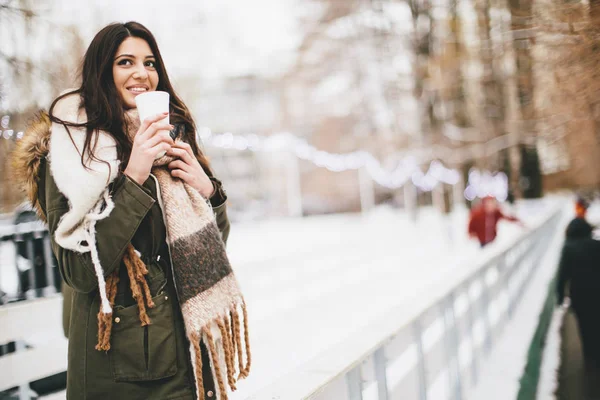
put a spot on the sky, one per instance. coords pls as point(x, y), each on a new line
point(211, 38)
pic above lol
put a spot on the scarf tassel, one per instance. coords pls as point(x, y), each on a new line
point(222, 353)
point(137, 271)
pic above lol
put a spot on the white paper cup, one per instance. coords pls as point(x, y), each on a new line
point(150, 104)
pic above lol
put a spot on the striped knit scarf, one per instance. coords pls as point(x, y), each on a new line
point(206, 286)
point(212, 305)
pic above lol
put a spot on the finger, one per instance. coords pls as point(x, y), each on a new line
point(178, 164)
point(158, 149)
point(160, 137)
point(185, 146)
point(181, 154)
point(181, 174)
point(150, 120)
point(156, 127)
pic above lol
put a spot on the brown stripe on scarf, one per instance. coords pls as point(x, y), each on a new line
point(201, 262)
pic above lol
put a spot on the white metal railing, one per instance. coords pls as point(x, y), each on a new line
point(32, 244)
point(34, 310)
point(432, 350)
point(31, 362)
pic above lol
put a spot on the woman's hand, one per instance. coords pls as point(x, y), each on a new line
point(150, 140)
point(187, 168)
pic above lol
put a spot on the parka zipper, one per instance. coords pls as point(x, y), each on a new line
point(162, 209)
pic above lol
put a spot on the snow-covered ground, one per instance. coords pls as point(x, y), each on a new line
point(311, 282)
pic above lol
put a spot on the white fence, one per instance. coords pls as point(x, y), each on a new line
point(36, 359)
point(431, 348)
point(35, 324)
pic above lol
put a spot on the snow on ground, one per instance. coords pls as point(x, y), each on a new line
point(311, 282)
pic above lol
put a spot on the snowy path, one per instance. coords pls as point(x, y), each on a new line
point(324, 278)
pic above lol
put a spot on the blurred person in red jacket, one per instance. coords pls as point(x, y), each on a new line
point(484, 219)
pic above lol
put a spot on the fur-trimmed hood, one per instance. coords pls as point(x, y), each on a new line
point(27, 158)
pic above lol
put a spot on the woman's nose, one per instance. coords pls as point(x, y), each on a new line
point(140, 72)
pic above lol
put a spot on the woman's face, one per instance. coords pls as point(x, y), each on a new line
point(134, 70)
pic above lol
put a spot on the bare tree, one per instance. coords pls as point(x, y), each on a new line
point(521, 12)
point(494, 102)
point(568, 34)
point(29, 77)
point(457, 57)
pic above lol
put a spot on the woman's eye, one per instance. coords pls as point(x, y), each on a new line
point(151, 64)
point(125, 62)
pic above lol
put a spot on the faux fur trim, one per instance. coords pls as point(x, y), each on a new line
point(85, 187)
point(28, 155)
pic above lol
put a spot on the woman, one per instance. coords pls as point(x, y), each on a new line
point(156, 312)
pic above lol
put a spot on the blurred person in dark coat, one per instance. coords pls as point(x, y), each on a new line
point(580, 269)
point(483, 222)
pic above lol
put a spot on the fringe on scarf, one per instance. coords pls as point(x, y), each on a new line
point(232, 345)
point(226, 350)
point(137, 271)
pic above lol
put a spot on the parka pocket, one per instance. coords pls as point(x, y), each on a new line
point(144, 353)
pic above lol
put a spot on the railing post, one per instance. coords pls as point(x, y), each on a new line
point(31, 292)
point(25, 392)
point(471, 320)
point(354, 382)
point(421, 372)
point(49, 261)
point(380, 373)
point(506, 274)
point(485, 312)
point(452, 347)
point(18, 239)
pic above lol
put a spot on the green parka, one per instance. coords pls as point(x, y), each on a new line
point(150, 362)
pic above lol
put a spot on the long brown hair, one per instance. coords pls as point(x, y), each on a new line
point(102, 103)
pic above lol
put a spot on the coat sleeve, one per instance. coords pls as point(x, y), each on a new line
point(564, 275)
point(113, 233)
point(218, 202)
point(223, 222)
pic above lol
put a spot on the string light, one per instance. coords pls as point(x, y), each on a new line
point(483, 184)
point(336, 162)
point(479, 185)
point(7, 133)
